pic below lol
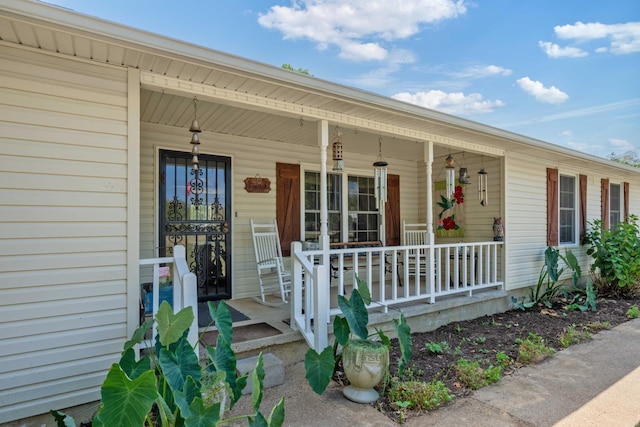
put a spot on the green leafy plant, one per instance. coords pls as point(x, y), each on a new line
point(616, 255)
point(548, 288)
point(168, 387)
point(473, 376)
point(633, 312)
point(533, 349)
point(320, 367)
point(419, 395)
point(437, 347)
point(571, 336)
point(502, 359)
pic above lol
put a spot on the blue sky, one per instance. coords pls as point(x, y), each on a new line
point(565, 72)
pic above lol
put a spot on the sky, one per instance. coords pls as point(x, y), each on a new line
point(565, 72)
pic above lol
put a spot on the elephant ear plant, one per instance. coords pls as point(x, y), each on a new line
point(168, 387)
point(320, 367)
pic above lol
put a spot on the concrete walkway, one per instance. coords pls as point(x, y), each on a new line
point(592, 384)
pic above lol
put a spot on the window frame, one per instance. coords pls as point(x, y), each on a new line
point(345, 214)
point(575, 210)
point(620, 204)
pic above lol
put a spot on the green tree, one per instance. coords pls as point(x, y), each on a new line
point(630, 158)
point(297, 70)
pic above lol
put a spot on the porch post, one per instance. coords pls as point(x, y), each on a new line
point(428, 158)
point(323, 240)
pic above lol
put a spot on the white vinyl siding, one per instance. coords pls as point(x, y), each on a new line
point(63, 211)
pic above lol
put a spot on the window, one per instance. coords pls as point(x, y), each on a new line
point(567, 213)
point(361, 218)
point(615, 205)
point(566, 208)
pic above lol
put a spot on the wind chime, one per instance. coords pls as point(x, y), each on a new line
point(380, 178)
point(483, 186)
point(195, 139)
point(450, 176)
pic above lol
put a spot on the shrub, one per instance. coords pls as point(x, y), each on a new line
point(616, 256)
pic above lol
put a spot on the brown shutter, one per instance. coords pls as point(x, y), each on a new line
point(626, 201)
point(604, 202)
point(583, 207)
point(552, 207)
point(288, 204)
point(392, 211)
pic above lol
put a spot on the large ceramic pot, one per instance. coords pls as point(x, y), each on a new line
point(365, 365)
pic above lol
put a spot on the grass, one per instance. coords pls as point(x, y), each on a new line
point(572, 335)
point(533, 349)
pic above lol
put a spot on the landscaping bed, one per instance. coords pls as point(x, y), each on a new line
point(489, 349)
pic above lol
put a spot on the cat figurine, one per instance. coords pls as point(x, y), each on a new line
point(498, 229)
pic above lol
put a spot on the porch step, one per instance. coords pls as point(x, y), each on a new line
point(273, 370)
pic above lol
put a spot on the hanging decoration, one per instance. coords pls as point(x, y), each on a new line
point(195, 139)
point(450, 221)
point(483, 186)
point(450, 176)
point(338, 163)
point(380, 178)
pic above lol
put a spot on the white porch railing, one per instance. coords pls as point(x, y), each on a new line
point(185, 292)
point(394, 274)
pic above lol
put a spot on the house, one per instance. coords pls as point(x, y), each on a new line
point(96, 174)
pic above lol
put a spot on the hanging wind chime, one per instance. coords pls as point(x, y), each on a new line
point(450, 176)
point(380, 178)
point(195, 139)
point(483, 186)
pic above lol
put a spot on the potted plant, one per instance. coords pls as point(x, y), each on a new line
point(365, 357)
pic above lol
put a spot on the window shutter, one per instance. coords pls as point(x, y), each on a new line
point(288, 204)
point(583, 207)
point(626, 201)
point(552, 207)
point(604, 202)
point(392, 211)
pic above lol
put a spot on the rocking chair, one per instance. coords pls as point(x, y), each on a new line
point(272, 276)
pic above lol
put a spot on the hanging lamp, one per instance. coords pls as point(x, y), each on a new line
point(380, 178)
point(338, 163)
point(450, 176)
point(195, 139)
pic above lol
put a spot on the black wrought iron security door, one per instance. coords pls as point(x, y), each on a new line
point(195, 212)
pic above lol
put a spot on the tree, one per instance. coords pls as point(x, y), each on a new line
point(297, 70)
point(630, 158)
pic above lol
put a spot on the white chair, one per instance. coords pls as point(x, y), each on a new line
point(272, 275)
point(415, 234)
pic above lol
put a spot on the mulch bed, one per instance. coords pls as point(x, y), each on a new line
point(480, 339)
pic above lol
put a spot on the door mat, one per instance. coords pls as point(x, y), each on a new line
point(204, 318)
point(243, 333)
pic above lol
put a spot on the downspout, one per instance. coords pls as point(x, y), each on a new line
point(428, 158)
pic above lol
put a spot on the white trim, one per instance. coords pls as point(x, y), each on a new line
point(576, 210)
point(133, 200)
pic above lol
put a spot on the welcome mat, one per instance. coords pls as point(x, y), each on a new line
point(204, 318)
point(243, 333)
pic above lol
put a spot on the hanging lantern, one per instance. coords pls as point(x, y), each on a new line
point(450, 176)
point(463, 178)
point(380, 178)
point(338, 163)
point(483, 188)
point(195, 139)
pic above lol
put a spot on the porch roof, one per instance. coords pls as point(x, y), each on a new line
point(49, 28)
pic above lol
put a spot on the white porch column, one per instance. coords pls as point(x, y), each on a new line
point(323, 143)
point(428, 158)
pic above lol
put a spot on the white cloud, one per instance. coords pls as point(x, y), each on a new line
point(480, 71)
point(554, 51)
point(621, 145)
point(452, 103)
point(357, 27)
point(566, 133)
point(623, 38)
point(382, 76)
point(551, 95)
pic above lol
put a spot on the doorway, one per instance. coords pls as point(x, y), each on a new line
point(195, 211)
